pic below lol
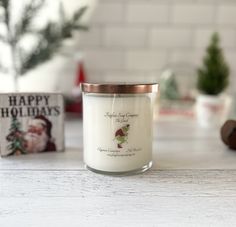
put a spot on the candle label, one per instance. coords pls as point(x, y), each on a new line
point(121, 117)
point(117, 152)
point(121, 135)
point(31, 123)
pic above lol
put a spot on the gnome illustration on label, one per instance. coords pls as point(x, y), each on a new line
point(121, 135)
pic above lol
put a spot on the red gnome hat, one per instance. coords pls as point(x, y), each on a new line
point(119, 132)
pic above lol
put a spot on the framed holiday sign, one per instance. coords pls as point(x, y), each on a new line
point(31, 123)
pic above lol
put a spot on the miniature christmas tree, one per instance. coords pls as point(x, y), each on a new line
point(169, 88)
point(49, 38)
point(16, 138)
point(213, 76)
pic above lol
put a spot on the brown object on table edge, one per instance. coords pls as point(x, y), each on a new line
point(228, 133)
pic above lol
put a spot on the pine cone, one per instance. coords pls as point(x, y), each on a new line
point(228, 134)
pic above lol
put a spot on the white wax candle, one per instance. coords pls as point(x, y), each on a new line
point(117, 131)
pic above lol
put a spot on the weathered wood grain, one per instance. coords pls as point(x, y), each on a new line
point(192, 183)
point(174, 154)
point(123, 211)
point(154, 183)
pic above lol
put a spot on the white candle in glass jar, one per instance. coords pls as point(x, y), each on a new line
point(117, 124)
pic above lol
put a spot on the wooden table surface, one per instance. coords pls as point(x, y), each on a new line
point(192, 183)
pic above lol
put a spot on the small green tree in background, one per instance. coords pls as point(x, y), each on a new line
point(213, 76)
point(168, 86)
point(16, 138)
point(49, 39)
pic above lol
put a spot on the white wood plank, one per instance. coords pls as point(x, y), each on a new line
point(54, 189)
point(183, 129)
point(168, 154)
point(71, 159)
point(123, 211)
point(177, 145)
point(87, 184)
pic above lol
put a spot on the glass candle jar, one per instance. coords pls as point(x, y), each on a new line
point(117, 127)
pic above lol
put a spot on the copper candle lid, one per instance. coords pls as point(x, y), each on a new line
point(119, 88)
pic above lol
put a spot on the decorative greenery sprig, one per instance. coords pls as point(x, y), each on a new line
point(213, 76)
point(50, 38)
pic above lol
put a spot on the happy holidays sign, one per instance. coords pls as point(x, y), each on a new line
point(31, 123)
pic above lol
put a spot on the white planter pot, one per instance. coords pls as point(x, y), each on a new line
point(212, 110)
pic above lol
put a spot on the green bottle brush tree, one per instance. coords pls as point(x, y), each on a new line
point(213, 107)
point(213, 76)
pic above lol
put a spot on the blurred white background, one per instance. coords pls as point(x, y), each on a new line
point(134, 40)
point(57, 74)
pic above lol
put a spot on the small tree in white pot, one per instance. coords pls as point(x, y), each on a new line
point(213, 78)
